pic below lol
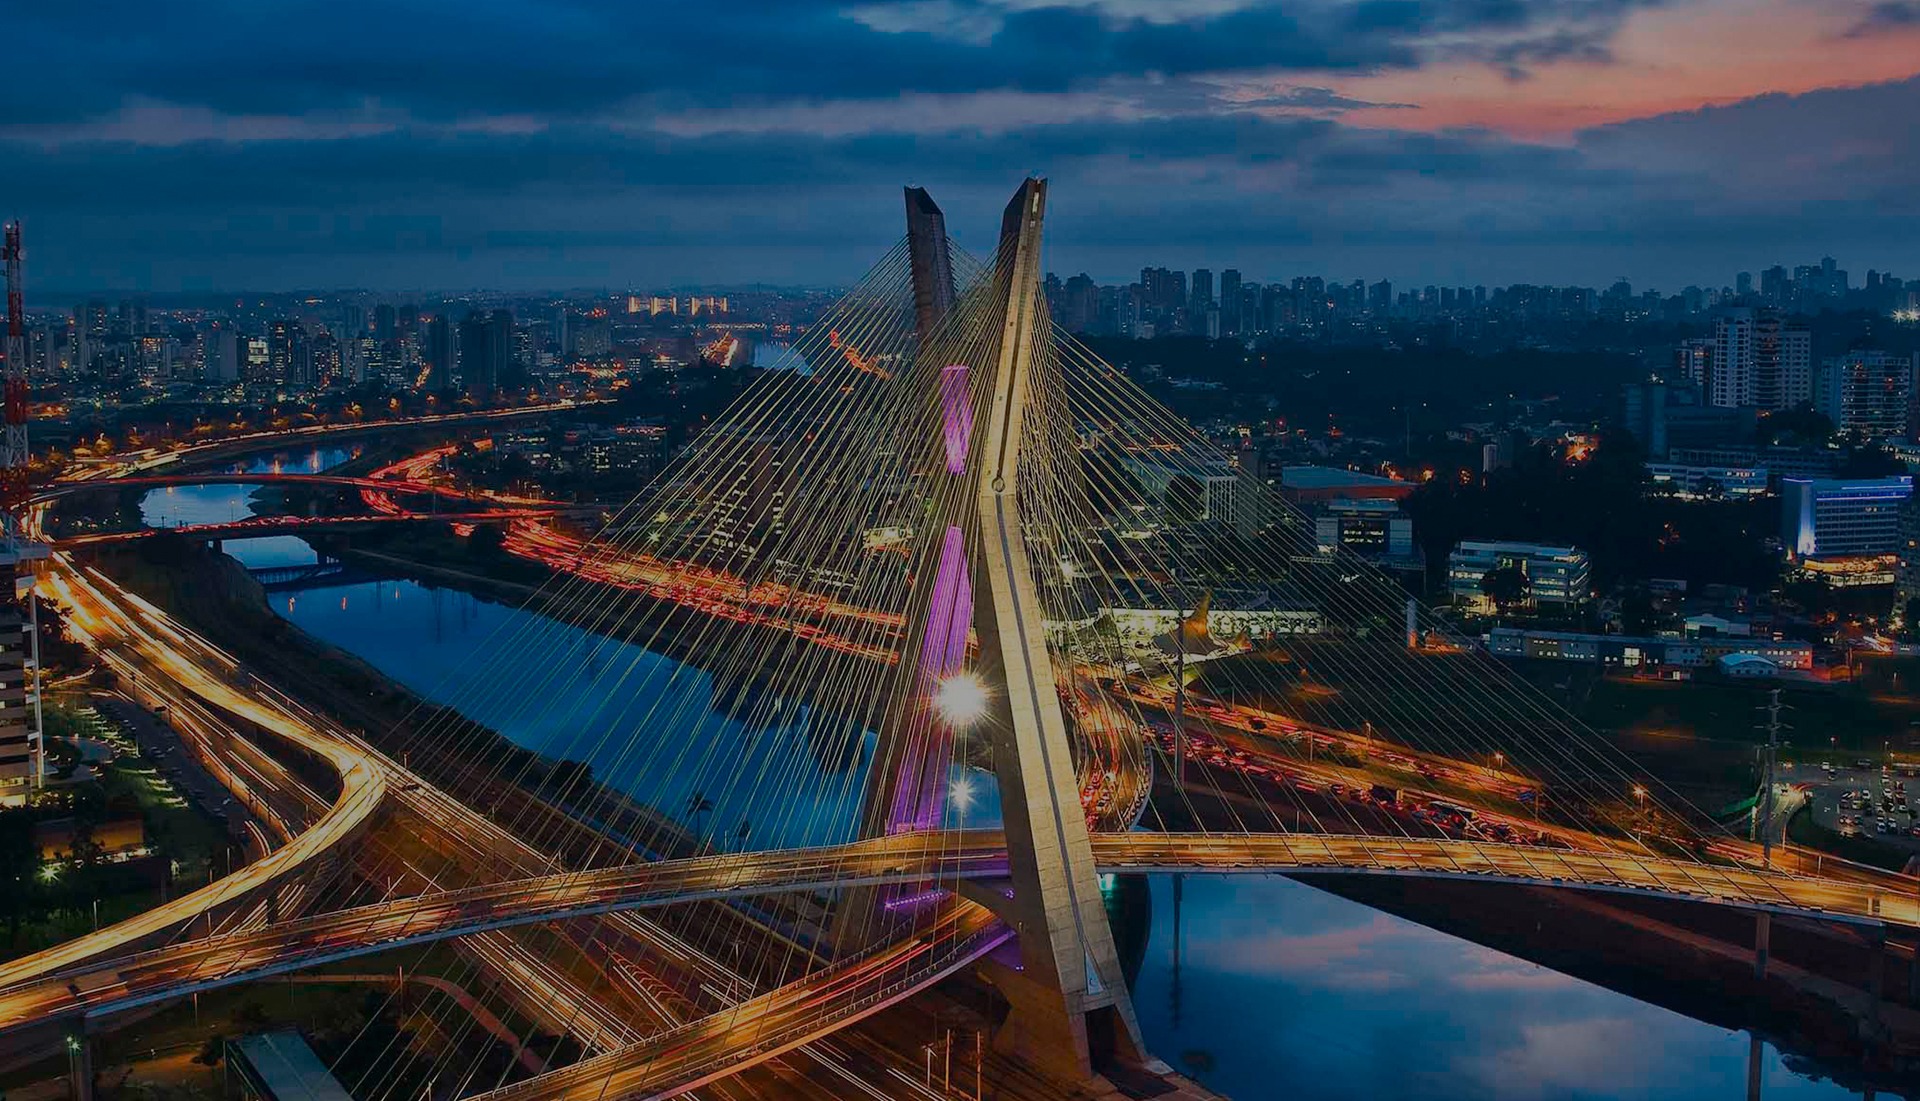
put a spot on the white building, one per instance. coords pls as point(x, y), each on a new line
point(1555, 576)
point(1761, 360)
point(1692, 480)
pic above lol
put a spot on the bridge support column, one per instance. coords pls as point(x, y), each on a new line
point(1762, 942)
point(1913, 975)
point(1876, 984)
point(79, 1063)
point(1753, 1066)
point(1070, 1001)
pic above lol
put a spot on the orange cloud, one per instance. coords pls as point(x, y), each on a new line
point(1664, 60)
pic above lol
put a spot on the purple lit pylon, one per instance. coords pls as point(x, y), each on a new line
point(920, 792)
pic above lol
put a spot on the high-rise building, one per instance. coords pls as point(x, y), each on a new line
point(1832, 517)
point(1906, 574)
point(1202, 290)
point(289, 354)
point(486, 352)
point(1760, 359)
point(1693, 361)
point(1230, 301)
point(1774, 285)
point(251, 360)
point(1730, 384)
point(1380, 298)
point(437, 350)
point(1867, 392)
point(1783, 362)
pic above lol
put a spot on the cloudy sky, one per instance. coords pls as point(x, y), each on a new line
point(231, 144)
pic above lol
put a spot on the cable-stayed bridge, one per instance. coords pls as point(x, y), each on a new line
point(921, 638)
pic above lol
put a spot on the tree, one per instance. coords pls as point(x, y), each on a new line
point(19, 868)
point(698, 807)
point(1505, 586)
point(487, 541)
point(1185, 499)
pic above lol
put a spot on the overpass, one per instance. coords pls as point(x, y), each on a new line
point(246, 443)
point(61, 489)
point(259, 527)
point(167, 973)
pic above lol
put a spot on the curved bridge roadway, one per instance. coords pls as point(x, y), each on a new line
point(165, 973)
point(174, 666)
point(235, 478)
point(258, 526)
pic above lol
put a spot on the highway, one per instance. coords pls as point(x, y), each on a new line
point(141, 642)
point(265, 525)
point(171, 666)
point(776, 1022)
point(168, 972)
point(233, 477)
point(174, 672)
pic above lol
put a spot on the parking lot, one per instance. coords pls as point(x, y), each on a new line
point(1869, 802)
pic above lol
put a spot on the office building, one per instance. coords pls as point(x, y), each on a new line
point(1375, 529)
point(1554, 576)
point(1707, 482)
point(1643, 652)
point(1838, 517)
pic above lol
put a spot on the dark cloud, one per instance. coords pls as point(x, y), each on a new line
point(1742, 186)
point(1888, 15)
point(1316, 99)
point(575, 57)
point(547, 143)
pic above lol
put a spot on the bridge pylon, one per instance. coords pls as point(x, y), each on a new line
point(1069, 999)
point(1070, 1005)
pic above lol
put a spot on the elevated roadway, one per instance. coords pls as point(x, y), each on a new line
point(261, 526)
point(165, 973)
point(170, 672)
point(58, 490)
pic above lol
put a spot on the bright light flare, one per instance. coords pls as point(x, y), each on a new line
point(962, 793)
point(961, 700)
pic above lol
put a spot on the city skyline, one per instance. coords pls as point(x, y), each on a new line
point(1741, 282)
point(1549, 142)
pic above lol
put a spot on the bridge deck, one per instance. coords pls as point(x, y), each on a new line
point(166, 973)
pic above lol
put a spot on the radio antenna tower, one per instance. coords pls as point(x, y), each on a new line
point(19, 634)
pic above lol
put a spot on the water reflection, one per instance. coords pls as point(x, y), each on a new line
point(221, 504)
point(1287, 991)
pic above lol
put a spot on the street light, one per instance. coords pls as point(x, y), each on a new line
point(961, 700)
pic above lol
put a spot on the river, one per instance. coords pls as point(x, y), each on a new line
point(1282, 990)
